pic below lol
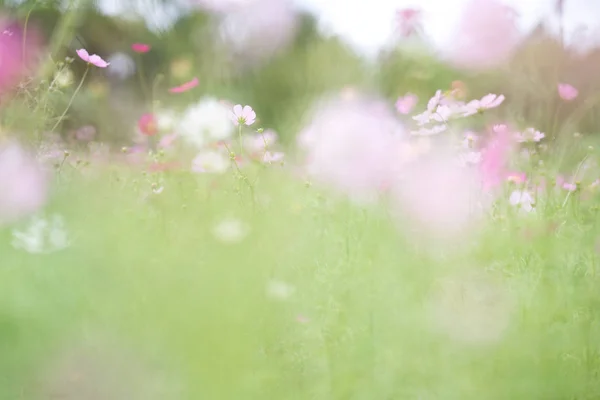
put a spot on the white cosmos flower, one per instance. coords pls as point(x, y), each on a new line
point(42, 235)
point(206, 121)
point(210, 161)
point(522, 200)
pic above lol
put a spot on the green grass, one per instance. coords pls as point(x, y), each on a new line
point(147, 304)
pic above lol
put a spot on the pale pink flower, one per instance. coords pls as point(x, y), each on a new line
point(140, 47)
point(93, 59)
point(487, 102)
point(529, 135)
point(409, 20)
point(167, 140)
point(434, 130)
point(258, 143)
point(567, 92)
point(185, 86)
point(439, 194)
point(405, 104)
point(470, 139)
point(23, 183)
point(243, 115)
point(486, 36)
point(349, 146)
point(495, 157)
point(270, 158)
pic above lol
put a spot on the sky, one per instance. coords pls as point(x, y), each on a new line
point(368, 25)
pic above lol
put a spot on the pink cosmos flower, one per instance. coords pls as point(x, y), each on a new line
point(487, 102)
point(23, 183)
point(185, 87)
point(516, 177)
point(405, 104)
point(439, 194)
point(529, 135)
point(567, 92)
point(93, 59)
point(243, 115)
point(147, 124)
point(495, 157)
point(349, 146)
point(486, 36)
point(409, 20)
point(140, 47)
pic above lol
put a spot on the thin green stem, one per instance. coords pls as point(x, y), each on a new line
point(240, 139)
point(142, 79)
point(72, 99)
point(24, 45)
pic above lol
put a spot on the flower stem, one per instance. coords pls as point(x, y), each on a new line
point(240, 139)
point(71, 101)
point(140, 74)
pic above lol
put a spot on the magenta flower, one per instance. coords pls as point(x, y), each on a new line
point(23, 183)
point(405, 104)
point(16, 61)
point(93, 59)
point(140, 47)
point(147, 124)
point(567, 92)
point(243, 115)
point(185, 87)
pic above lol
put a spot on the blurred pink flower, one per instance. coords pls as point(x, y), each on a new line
point(167, 140)
point(256, 30)
point(23, 183)
point(567, 92)
point(516, 177)
point(185, 86)
point(93, 59)
point(17, 61)
point(147, 124)
point(349, 146)
point(409, 20)
point(439, 194)
point(243, 115)
point(486, 35)
point(405, 104)
point(258, 143)
point(495, 157)
point(270, 158)
point(529, 135)
point(140, 47)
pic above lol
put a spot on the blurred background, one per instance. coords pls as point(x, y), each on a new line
point(279, 55)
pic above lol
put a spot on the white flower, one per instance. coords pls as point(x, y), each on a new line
point(522, 199)
point(42, 236)
point(279, 290)
point(210, 161)
point(208, 120)
point(63, 78)
point(122, 66)
point(471, 157)
point(230, 230)
point(166, 120)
